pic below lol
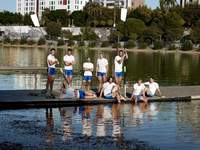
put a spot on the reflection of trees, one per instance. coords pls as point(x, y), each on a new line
point(187, 116)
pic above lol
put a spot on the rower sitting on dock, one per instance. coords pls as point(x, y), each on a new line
point(51, 62)
point(110, 90)
point(152, 88)
point(70, 93)
point(138, 92)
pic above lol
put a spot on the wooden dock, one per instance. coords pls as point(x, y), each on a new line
point(15, 99)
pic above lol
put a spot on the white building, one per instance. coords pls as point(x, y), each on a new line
point(185, 2)
point(121, 3)
point(38, 6)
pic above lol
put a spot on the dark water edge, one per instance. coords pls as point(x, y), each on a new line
point(86, 142)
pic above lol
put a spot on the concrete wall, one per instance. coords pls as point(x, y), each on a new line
point(16, 32)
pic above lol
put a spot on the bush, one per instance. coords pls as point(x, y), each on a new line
point(172, 47)
point(6, 40)
point(31, 42)
point(131, 44)
point(23, 41)
point(158, 45)
point(105, 44)
point(61, 42)
point(41, 41)
point(70, 43)
point(143, 45)
point(92, 44)
point(81, 43)
point(116, 45)
point(15, 41)
point(187, 45)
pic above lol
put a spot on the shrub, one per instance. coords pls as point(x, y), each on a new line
point(92, 44)
point(158, 45)
point(142, 45)
point(172, 47)
point(81, 43)
point(23, 41)
point(6, 40)
point(70, 43)
point(61, 42)
point(31, 42)
point(105, 44)
point(41, 41)
point(131, 44)
point(15, 41)
point(187, 45)
point(116, 45)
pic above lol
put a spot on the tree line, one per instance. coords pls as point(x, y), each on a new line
point(146, 27)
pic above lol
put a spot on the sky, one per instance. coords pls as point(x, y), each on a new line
point(10, 5)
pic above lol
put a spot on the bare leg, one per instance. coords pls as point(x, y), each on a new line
point(89, 83)
point(100, 84)
point(51, 85)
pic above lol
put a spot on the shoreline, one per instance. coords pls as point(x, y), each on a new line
point(147, 50)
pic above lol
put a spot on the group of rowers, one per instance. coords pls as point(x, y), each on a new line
point(108, 88)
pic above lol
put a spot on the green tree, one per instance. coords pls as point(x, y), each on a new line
point(135, 26)
point(167, 4)
point(53, 30)
point(79, 18)
point(27, 19)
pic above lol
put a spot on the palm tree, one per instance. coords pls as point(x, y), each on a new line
point(167, 4)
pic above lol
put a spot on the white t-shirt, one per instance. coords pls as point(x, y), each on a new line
point(88, 65)
point(108, 88)
point(152, 87)
point(118, 66)
point(69, 59)
point(138, 89)
point(52, 58)
point(102, 63)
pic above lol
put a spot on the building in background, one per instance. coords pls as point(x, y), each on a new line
point(121, 3)
point(38, 6)
point(186, 2)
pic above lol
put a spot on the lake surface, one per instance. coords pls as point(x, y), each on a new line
point(166, 68)
point(154, 126)
point(160, 125)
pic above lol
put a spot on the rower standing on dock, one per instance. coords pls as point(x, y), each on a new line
point(119, 60)
point(69, 61)
point(101, 70)
point(51, 62)
point(88, 68)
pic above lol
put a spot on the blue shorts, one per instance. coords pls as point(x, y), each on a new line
point(138, 98)
point(109, 96)
point(101, 74)
point(87, 78)
point(119, 74)
point(81, 94)
point(68, 72)
point(149, 95)
point(51, 71)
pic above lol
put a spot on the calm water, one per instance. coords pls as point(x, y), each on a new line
point(161, 125)
point(166, 68)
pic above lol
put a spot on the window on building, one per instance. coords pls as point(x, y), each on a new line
point(68, 7)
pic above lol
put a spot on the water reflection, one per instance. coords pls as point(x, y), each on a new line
point(167, 68)
point(105, 120)
point(165, 125)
